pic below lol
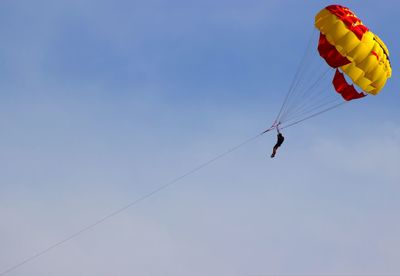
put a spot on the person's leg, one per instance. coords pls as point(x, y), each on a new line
point(273, 152)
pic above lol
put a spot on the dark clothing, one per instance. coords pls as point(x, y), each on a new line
point(279, 142)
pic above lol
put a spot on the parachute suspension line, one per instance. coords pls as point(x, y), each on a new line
point(312, 100)
point(306, 76)
point(298, 81)
point(296, 77)
point(306, 92)
point(317, 93)
point(315, 100)
point(129, 205)
point(293, 98)
point(299, 99)
point(308, 95)
point(311, 116)
point(314, 104)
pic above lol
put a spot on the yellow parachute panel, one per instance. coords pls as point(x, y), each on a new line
point(361, 54)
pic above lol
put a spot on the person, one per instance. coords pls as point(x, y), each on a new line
point(279, 142)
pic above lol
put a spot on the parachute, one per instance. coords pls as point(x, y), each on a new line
point(358, 58)
point(346, 43)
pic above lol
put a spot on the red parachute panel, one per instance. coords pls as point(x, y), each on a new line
point(352, 22)
point(347, 91)
point(330, 54)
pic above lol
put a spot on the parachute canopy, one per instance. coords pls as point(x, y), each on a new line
point(347, 44)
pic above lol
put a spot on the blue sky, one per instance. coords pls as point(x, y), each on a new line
point(103, 101)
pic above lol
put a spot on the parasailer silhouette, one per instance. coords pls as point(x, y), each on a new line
point(279, 142)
